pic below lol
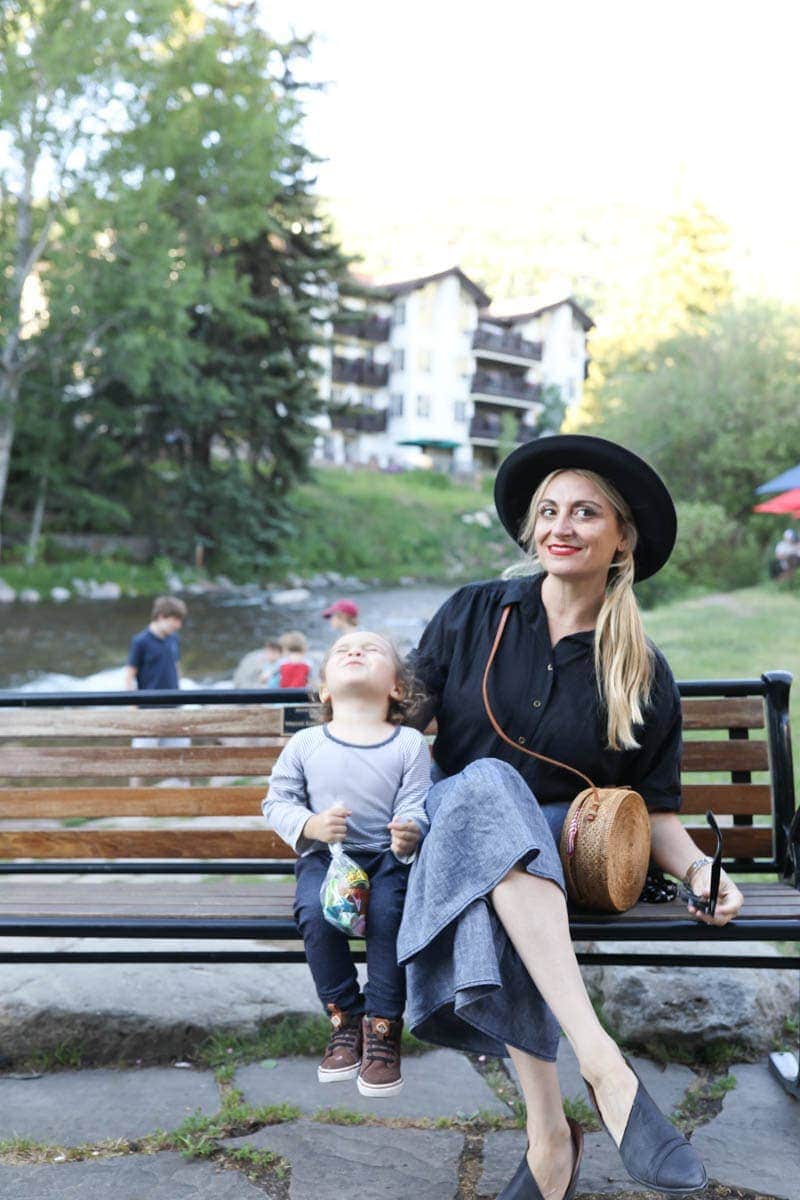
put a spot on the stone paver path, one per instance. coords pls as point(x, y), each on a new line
point(440, 1084)
point(331, 1162)
point(75, 1108)
point(165, 1176)
point(753, 1143)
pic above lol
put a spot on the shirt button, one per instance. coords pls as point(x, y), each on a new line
point(521, 741)
point(549, 666)
point(537, 703)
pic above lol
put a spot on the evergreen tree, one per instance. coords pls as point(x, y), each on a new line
point(194, 276)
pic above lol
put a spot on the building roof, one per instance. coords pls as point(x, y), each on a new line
point(393, 289)
point(508, 312)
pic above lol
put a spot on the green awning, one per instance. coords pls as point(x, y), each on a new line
point(429, 443)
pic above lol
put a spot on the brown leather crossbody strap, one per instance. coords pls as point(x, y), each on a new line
point(493, 720)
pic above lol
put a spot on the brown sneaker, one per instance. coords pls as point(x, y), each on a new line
point(380, 1068)
point(343, 1053)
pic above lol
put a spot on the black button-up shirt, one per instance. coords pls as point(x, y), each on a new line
point(543, 696)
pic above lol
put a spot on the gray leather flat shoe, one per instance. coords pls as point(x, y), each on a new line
point(653, 1151)
point(524, 1187)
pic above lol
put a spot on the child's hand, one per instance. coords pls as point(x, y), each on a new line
point(327, 826)
point(405, 837)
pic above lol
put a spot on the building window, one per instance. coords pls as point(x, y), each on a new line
point(423, 406)
point(398, 360)
point(368, 399)
point(400, 313)
point(338, 395)
point(459, 410)
point(396, 404)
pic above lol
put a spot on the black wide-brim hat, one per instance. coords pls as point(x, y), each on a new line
point(650, 502)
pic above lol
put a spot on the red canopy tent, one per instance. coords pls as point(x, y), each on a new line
point(787, 503)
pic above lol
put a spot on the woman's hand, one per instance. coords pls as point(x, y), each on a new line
point(328, 826)
point(405, 837)
point(729, 898)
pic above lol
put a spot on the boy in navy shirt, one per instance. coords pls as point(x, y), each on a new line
point(153, 660)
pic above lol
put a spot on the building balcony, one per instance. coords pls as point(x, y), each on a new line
point(360, 371)
point(505, 346)
point(502, 386)
point(367, 328)
point(487, 427)
point(351, 418)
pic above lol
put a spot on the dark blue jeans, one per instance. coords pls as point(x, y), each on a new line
point(328, 949)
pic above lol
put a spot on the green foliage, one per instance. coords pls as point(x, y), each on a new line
point(713, 552)
point(185, 285)
point(414, 528)
point(714, 410)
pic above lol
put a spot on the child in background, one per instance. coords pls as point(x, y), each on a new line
point(360, 779)
point(294, 670)
point(270, 676)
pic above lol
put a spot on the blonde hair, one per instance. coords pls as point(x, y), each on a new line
point(293, 642)
point(623, 657)
point(400, 709)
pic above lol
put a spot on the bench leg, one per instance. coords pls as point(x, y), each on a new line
point(786, 1069)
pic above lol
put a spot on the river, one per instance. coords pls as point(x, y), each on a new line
point(82, 644)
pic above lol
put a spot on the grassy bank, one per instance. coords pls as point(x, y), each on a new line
point(362, 523)
point(388, 526)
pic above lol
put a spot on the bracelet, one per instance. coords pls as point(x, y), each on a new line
point(695, 866)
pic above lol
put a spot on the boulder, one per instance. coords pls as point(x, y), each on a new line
point(60, 594)
point(691, 1007)
point(248, 672)
point(297, 595)
point(7, 594)
point(29, 596)
point(104, 591)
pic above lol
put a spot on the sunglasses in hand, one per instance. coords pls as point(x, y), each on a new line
point(701, 903)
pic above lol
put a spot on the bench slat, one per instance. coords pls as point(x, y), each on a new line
point(739, 841)
point(55, 762)
point(143, 843)
point(47, 803)
point(732, 799)
point(207, 721)
point(273, 899)
point(739, 712)
point(725, 756)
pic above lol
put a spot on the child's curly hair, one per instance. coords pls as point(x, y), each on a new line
point(401, 710)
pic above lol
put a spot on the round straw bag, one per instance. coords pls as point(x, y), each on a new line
point(605, 848)
point(605, 841)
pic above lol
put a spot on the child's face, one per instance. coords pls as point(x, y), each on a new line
point(361, 662)
point(168, 625)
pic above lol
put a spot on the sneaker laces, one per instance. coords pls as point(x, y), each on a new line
point(380, 1045)
point(344, 1033)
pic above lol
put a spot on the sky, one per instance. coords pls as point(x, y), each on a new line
point(653, 105)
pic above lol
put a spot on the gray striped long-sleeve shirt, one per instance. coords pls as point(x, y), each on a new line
point(316, 770)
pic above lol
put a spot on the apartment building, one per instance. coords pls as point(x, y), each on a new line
point(428, 372)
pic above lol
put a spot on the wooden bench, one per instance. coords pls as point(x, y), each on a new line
point(173, 856)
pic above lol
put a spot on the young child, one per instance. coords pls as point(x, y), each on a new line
point(360, 779)
point(294, 669)
point(270, 675)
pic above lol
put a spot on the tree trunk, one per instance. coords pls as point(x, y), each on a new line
point(37, 521)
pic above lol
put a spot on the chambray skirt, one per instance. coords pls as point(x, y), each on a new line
point(467, 986)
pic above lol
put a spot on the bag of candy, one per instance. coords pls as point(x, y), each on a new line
point(345, 893)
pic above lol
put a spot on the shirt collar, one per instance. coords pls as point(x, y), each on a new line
point(526, 591)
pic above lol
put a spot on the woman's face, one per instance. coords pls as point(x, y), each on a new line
point(577, 531)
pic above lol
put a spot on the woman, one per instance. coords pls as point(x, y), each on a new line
point(485, 933)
